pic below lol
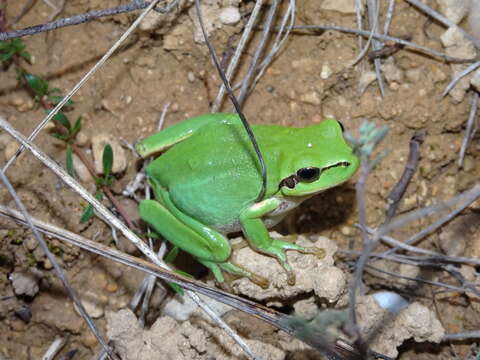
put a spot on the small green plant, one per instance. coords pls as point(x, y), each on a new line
point(11, 48)
point(102, 181)
point(41, 89)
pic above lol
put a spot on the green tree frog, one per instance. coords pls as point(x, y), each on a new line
point(207, 181)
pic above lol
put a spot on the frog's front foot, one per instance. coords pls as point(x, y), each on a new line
point(278, 248)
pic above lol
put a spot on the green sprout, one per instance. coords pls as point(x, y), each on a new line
point(10, 48)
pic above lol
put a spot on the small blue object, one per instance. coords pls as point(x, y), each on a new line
point(390, 301)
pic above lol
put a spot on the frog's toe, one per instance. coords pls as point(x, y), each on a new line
point(318, 252)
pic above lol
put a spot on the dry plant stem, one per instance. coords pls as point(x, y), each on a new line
point(282, 36)
point(238, 52)
point(73, 20)
point(437, 224)
point(396, 194)
point(459, 77)
point(359, 7)
point(469, 131)
point(374, 10)
point(112, 220)
point(367, 34)
point(58, 270)
point(263, 42)
point(25, 9)
point(372, 269)
point(90, 73)
point(442, 19)
point(54, 348)
point(370, 38)
point(467, 335)
point(367, 248)
point(389, 16)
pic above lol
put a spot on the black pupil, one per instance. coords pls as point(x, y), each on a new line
point(308, 174)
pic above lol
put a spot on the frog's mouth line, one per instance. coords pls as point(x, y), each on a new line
point(292, 180)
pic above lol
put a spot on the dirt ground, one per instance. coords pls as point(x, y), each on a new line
point(312, 78)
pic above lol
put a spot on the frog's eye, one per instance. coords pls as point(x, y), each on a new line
point(308, 174)
point(341, 126)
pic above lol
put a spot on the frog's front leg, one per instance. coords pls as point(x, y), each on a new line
point(257, 235)
point(208, 246)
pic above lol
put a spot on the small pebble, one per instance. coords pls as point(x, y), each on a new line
point(191, 76)
point(112, 287)
point(47, 265)
point(390, 301)
point(81, 139)
point(31, 243)
point(11, 149)
point(229, 15)
point(5, 139)
point(81, 170)
point(326, 72)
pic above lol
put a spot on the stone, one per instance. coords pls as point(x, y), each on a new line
point(10, 149)
point(475, 80)
point(343, 6)
point(229, 15)
point(119, 157)
point(81, 170)
point(24, 283)
point(454, 10)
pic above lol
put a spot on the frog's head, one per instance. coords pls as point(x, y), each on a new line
point(319, 160)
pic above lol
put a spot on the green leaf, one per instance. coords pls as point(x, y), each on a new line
point(107, 160)
point(26, 55)
point(59, 136)
point(152, 235)
point(55, 99)
point(62, 119)
point(76, 127)
point(6, 56)
point(38, 85)
point(70, 168)
point(177, 288)
point(172, 254)
point(88, 213)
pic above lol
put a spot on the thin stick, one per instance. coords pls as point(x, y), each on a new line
point(238, 52)
point(459, 77)
point(389, 16)
point(396, 194)
point(370, 37)
point(467, 335)
point(469, 131)
point(278, 43)
point(442, 19)
point(262, 43)
point(437, 224)
point(373, 14)
point(87, 76)
point(58, 270)
point(367, 34)
point(358, 12)
point(114, 221)
point(54, 348)
point(78, 19)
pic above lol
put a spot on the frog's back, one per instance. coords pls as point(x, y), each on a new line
point(214, 174)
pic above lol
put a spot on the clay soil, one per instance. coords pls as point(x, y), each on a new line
point(165, 65)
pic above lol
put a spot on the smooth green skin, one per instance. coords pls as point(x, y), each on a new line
point(207, 182)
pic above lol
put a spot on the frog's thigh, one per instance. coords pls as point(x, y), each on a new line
point(185, 232)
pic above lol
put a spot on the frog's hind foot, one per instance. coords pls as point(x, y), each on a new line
point(235, 270)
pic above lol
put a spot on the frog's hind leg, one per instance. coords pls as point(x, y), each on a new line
point(208, 246)
point(178, 132)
